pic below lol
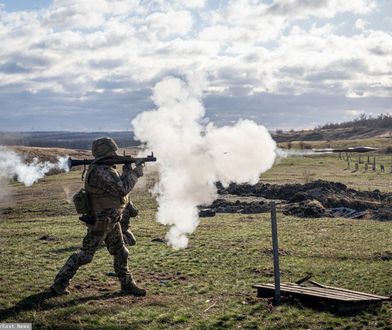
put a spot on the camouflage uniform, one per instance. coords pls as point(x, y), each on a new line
point(130, 211)
point(107, 191)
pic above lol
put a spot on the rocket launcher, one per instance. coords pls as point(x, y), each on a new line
point(112, 160)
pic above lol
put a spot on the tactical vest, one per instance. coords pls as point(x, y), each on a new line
point(100, 199)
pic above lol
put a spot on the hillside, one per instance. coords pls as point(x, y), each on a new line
point(331, 134)
point(71, 140)
point(363, 127)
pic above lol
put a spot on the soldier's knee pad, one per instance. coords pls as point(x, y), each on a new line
point(124, 253)
point(85, 258)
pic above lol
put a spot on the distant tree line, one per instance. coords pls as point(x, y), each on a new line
point(368, 121)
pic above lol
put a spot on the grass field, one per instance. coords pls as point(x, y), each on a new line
point(207, 285)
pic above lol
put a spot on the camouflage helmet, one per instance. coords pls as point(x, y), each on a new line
point(104, 146)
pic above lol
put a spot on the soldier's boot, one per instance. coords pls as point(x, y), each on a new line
point(128, 286)
point(128, 237)
point(59, 289)
point(65, 274)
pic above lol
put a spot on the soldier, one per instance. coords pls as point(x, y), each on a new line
point(107, 192)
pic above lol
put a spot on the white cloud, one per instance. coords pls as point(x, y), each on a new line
point(77, 49)
point(361, 24)
point(320, 8)
point(191, 3)
point(169, 23)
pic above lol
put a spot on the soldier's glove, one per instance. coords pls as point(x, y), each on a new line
point(127, 168)
point(132, 210)
point(138, 170)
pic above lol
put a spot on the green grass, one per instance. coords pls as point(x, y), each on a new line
point(207, 285)
point(329, 167)
point(377, 142)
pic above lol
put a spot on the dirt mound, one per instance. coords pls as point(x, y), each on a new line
point(298, 192)
point(224, 206)
point(383, 213)
point(306, 209)
point(314, 200)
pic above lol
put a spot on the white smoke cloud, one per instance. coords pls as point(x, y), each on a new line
point(192, 156)
point(284, 153)
point(12, 165)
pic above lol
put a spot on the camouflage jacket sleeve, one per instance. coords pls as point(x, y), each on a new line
point(107, 178)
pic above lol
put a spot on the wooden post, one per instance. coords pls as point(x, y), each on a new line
point(275, 249)
point(391, 164)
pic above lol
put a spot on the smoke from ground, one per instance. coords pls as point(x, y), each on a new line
point(13, 166)
point(192, 156)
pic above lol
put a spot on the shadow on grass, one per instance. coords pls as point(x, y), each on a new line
point(74, 248)
point(41, 302)
point(66, 249)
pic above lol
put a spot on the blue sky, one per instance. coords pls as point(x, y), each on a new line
point(92, 64)
point(17, 5)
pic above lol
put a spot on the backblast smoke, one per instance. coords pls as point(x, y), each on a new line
point(13, 166)
point(193, 156)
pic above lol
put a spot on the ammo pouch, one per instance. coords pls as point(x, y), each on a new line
point(81, 202)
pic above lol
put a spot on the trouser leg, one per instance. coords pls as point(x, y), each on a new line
point(90, 245)
point(115, 245)
point(130, 211)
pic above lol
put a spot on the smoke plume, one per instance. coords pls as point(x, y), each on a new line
point(284, 153)
point(193, 156)
point(13, 166)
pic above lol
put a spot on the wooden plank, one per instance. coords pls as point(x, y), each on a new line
point(358, 292)
point(340, 293)
point(329, 293)
point(362, 296)
point(302, 291)
point(341, 302)
point(344, 295)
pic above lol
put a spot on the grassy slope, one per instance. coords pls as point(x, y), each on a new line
point(331, 168)
point(369, 142)
point(207, 285)
point(350, 134)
